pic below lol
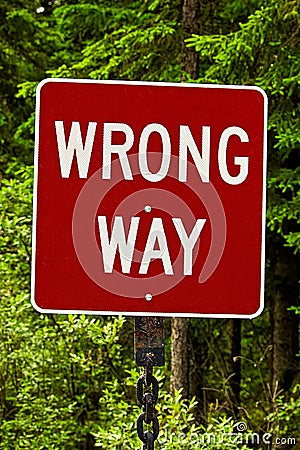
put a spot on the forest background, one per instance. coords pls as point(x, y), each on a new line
point(67, 382)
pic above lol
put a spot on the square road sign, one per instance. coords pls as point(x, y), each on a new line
point(149, 199)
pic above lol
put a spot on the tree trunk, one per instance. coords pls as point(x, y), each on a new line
point(190, 25)
point(285, 323)
point(235, 365)
point(180, 355)
point(180, 327)
point(198, 368)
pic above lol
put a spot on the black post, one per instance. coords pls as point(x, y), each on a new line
point(149, 352)
point(149, 339)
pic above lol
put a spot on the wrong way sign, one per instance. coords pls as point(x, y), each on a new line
point(149, 198)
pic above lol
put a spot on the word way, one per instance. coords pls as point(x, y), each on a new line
point(156, 238)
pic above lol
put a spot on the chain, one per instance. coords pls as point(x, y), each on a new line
point(147, 400)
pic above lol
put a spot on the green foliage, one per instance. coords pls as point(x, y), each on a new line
point(284, 206)
point(178, 427)
point(52, 369)
point(27, 44)
point(284, 419)
point(15, 231)
point(55, 372)
point(126, 40)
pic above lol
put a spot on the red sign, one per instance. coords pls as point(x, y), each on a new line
point(149, 198)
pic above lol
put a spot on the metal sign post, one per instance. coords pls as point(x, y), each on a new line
point(149, 352)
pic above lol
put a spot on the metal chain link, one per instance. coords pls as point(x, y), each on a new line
point(147, 400)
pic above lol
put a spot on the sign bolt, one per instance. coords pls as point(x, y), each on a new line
point(147, 208)
point(148, 297)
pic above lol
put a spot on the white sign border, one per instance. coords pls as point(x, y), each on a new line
point(35, 206)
